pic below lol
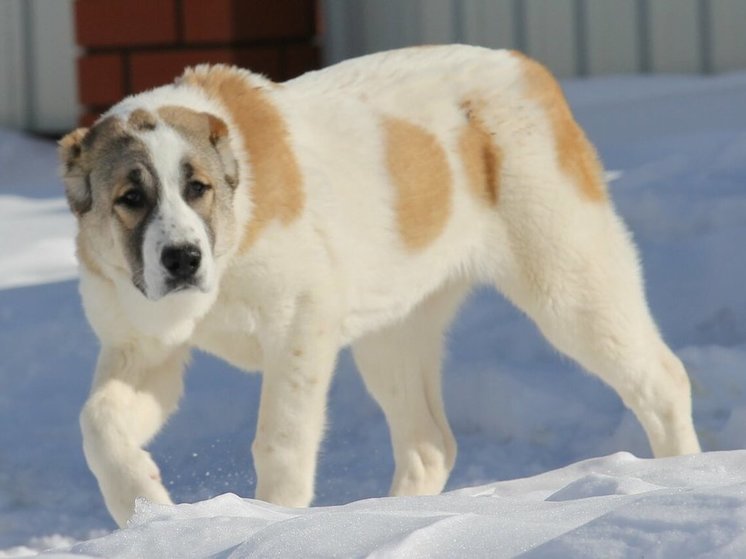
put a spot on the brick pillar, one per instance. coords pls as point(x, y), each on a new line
point(134, 45)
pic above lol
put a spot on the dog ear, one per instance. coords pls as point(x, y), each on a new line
point(220, 141)
point(77, 188)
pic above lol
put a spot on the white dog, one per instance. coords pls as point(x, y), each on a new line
point(272, 224)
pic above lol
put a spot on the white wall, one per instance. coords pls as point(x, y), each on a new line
point(38, 83)
point(573, 37)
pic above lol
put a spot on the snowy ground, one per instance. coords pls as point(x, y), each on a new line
point(517, 408)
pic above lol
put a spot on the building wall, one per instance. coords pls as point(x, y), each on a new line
point(134, 45)
point(48, 84)
point(38, 84)
point(573, 37)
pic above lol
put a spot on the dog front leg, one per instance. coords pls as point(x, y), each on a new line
point(132, 396)
point(292, 411)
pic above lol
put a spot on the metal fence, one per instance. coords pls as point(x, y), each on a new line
point(573, 37)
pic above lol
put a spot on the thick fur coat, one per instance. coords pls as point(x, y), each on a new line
point(272, 224)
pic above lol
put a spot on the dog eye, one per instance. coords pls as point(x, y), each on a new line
point(133, 199)
point(196, 189)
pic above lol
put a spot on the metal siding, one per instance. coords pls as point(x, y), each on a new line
point(344, 30)
point(390, 24)
point(613, 44)
point(489, 23)
point(675, 36)
point(437, 22)
point(12, 74)
point(53, 78)
point(38, 77)
point(37, 52)
point(551, 33)
point(728, 34)
point(571, 36)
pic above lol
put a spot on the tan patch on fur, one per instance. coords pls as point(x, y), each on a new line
point(69, 145)
point(130, 218)
point(199, 127)
point(419, 170)
point(482, 158)
point(140, 119)
point(203, 205)
point(277, 190)
point(191, 122)
point(577, 157)
point(180, 118)
point(198, 173)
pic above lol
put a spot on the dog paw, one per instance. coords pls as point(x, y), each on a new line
point(137, 477)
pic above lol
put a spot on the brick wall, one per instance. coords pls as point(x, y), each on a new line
point(133, 45)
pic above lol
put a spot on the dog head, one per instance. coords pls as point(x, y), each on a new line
point(153, 194)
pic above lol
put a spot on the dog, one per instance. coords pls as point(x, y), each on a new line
point(271, 224)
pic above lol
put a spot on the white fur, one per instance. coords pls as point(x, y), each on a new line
point(340, 274)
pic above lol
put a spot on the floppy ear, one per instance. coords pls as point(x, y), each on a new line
point(77, 188)
point(219, 139)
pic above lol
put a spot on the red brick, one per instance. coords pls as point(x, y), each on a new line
point(151, 69)
point(89, 117)
point(207, 21)
point(261, 60)
point(299, 59)
point(106, 23)
point(247, 20)
point(101, 79)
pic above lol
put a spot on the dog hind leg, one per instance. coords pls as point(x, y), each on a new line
point(585, 293)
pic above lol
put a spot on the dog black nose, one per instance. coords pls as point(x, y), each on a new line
point(181, 261)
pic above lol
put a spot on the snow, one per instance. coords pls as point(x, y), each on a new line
point(48, 230)
point(617, 506)
point(677, 149)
